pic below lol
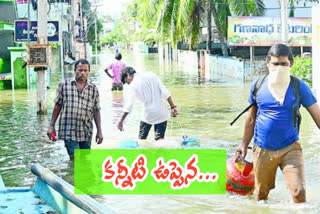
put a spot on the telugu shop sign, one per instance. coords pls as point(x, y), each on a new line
point(265, 31)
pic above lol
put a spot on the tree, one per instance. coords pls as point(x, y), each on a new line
point(115, 35)
point(235, 8)
point(86, 7)
point(107, 18)
point(91, 29)
point(219, 23)
point(293, 2)
point(174, 19)
point(180, 19)
point(209, 12)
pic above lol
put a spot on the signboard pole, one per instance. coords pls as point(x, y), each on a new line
point(42, 72)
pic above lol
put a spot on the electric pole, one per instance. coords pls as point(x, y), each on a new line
point(95, 32)
point(95, 28)
point(84, 37)
point(42, 38)
point(284, 21)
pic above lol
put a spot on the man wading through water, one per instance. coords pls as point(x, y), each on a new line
point(78, 104)
point(149, 89)
point(272, 120)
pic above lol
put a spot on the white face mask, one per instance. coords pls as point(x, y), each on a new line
point(278, 81)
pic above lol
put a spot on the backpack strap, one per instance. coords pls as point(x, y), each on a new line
point(296, 86)
point(256, 88)
point(246, 109)
point(295, 83)
point(296, 106)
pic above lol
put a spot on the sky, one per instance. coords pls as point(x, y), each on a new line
point(111, 7)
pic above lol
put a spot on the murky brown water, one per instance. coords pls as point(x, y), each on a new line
point(206, 109)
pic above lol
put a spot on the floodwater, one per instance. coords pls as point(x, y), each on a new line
point(206, 110)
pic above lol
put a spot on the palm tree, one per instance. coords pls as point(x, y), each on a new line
point(222, 9)
point(180, 19)
point(209, 6)
point(174, 19)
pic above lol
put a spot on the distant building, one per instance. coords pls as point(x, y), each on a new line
point(107, 28)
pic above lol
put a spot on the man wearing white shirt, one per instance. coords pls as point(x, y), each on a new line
point(149, 89)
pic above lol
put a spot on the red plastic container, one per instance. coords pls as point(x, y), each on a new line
point(240, 177)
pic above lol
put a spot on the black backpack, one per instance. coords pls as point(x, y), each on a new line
point(296, 106)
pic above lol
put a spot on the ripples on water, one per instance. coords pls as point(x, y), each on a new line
point(206, 109)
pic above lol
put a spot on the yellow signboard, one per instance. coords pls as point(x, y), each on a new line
point(266, 31)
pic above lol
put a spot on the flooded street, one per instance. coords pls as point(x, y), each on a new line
point(206, 110)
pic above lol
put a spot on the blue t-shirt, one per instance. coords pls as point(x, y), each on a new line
point(274, 129)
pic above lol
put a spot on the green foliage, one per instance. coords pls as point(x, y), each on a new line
point(4, 65)
point(179, 20)
point(107, 18)
point(224, 12)
point(132, 9)
point(302, 68)
point(20, 75)
point(116, 35)
point(91, 31)
point(94, 47)
point(292, 8)
point(170, 21)
point(5, 68)
point(174, 20)
point(91, 15)
point(85, 7)
point(240, 7)
point(126, 28)
point(53, 45)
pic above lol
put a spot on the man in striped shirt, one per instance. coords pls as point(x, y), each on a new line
point(77, 103)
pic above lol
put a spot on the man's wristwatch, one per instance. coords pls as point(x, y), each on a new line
point(172, 107)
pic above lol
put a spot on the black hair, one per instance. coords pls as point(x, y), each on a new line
point(118, 56)
point(82, 62)
point(278, 50)
point(125, 72)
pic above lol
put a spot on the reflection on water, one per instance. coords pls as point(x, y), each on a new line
point(117, 105)
point(206, 110)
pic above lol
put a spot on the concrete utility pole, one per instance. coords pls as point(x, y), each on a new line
point(83, 33)
point(95, 32)
point(28, 39)
point(284, 21)
point(95, 28)
point(42, 38)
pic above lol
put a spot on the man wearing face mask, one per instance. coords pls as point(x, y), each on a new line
point(271, 120)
